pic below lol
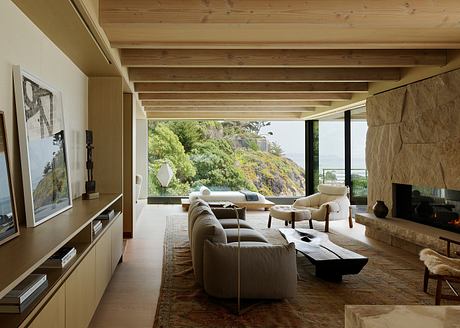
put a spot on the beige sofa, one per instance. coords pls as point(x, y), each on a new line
point(267, 271)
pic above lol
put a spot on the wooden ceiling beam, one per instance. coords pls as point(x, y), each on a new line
point(272, 116)
point(245, 96)
point(144, 74)
point(316, 13)
point(237, 103)
point(280, 58)
point(245, 109)
point(254, 87)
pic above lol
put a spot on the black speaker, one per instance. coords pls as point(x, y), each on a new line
point(89, 137)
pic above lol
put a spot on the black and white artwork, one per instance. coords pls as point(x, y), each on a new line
point(42, 143)
point(8, 220)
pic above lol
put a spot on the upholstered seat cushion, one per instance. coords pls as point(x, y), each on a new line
point(267, 271)
point(245, 235)
point(233, 223)
point(284, 212)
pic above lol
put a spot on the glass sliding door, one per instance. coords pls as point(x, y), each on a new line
point(358, 156)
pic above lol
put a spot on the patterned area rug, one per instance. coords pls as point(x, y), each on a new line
point(319, 303)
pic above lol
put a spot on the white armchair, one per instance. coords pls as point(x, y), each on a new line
point(330, 203)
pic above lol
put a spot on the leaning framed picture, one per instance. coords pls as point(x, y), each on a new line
point(43, 149)
point(9, 227)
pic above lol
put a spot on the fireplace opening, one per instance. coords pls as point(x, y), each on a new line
point(436, 207)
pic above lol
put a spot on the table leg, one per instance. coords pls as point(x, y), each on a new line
point(269, 220)
point(293, 219)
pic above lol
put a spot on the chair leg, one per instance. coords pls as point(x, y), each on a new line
point(438, 292)
point(326, 228)
point(350, 219)
point(285, 223)
point(269, 220)
point(426, 277)
point(311, 223)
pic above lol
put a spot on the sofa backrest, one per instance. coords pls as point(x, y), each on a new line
point(205, 227)
point(336, 190)
point(195, 209)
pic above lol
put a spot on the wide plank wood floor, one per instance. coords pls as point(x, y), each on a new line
point(132, 295)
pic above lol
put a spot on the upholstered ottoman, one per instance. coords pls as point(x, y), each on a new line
point(288, 213)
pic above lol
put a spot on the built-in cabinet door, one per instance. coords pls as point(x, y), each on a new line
point(103, 263)
point(117, 241)
point(80, 293)
point(53, 313)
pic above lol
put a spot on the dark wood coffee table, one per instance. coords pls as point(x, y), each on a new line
point(331, 261)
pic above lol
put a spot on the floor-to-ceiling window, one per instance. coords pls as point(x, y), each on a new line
point(268, 157)
point(358, 156)
point(331, 150)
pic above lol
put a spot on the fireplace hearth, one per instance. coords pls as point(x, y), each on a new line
point(435, 207)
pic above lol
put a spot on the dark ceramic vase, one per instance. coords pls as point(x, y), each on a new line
point(380, 209)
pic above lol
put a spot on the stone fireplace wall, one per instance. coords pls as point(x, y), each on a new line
point(414, 137)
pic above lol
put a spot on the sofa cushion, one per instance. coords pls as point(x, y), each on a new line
point(229, 213)
point(194, 213)
point(338, 190)
point(206, 227)
point(267, 271)
point(245, 235)
point(233, 223)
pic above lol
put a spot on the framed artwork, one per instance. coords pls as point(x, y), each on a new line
point(42, 143)
point(9, 227)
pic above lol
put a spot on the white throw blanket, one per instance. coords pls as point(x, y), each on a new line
point(440, 264)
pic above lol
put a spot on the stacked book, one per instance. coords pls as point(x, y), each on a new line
point(61, 258)
point(97, 225)
point(27, 291)
point(106, 215)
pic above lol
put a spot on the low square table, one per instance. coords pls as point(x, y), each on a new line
point(330, 260)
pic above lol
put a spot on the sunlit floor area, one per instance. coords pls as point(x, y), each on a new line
point(131, 298)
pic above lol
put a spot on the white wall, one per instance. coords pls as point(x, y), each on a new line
point(22, 43)
point(141, 155)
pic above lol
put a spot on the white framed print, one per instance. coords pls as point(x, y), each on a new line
point(43, 148)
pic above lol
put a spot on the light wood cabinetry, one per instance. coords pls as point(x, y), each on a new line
point(81, 293)
point(117, 241)
point(53, 314)
point(103, 263)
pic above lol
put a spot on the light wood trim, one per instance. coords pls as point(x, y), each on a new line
point(224, 115)
point(281, 58)
point(245, 109)
point(254, 87)
point(245, 96)
point(128, 158)
point(148, 74)
point(315, 13)
point(105, 119)
point(238, 103)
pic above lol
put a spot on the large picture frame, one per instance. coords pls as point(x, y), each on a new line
point(43, 148)
point(9, 227)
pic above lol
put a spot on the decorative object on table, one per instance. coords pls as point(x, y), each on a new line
point(108, 214)
point(8, 219)
point(90, 185)
point(21, 296)
point(165, 175)
point(43, 148)
point(61, 258)
point(380, 209)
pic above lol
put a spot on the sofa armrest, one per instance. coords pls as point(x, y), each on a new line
point(309, 201)
point(267, 271)
point(228, 213)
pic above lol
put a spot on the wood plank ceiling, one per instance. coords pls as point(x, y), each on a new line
point(271, 59)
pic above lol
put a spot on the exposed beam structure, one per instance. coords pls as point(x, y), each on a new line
point(242, 109)
point(230, 103)
point(278, 97)
point(143, 74)
point(272, 116)
point(254, 87)
point(280, 58)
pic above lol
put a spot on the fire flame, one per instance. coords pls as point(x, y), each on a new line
point(455, 222)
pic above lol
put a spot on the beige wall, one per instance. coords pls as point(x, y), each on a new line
point(22, 43)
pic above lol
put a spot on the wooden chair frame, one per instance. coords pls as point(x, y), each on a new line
point(440, 279)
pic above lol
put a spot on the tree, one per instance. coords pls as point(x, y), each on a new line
point(276, 149)
point(188, 132)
